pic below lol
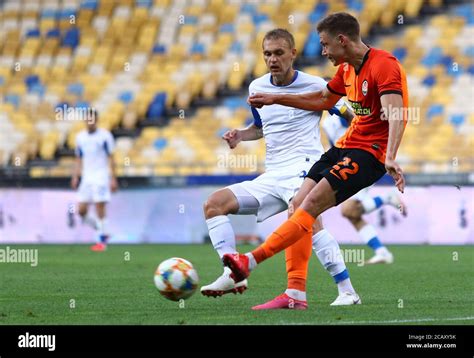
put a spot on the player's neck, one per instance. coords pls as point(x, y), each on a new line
point(286, 80)
point(357, 55)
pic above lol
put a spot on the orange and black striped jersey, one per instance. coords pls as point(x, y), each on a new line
point(380, 73)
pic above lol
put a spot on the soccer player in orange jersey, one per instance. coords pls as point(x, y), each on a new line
point(375, 85)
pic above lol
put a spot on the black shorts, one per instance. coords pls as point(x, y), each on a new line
point(347, 170)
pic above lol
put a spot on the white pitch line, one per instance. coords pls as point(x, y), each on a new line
point(406, 320)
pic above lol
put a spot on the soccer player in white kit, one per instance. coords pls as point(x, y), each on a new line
point(95, 167)
point(363, 203)
point(292, 146)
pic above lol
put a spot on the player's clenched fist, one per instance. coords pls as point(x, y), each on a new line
point(232, 137)
point(258, 100)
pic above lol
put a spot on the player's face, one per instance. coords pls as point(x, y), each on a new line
point(332, 48)
point(91, 123)
point(278, 56)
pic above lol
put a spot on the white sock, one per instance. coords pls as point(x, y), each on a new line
point(367, 233)
point(252, 261)
point(368, 204)
point(329, 254)
point(345, 286)
point(102, 230)
point(102, 226)
point(222, 235)
point(227, 271)
point(296, 294)
point(90, 220)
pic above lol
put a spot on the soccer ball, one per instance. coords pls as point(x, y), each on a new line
point(176, 279)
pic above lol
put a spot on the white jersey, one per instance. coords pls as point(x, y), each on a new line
point(291, 134)
point(95, 149)
point(335, 127)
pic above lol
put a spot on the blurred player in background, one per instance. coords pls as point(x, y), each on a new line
point(95, 166)
point(363, 203)
point(375, 83)
point(293, 144)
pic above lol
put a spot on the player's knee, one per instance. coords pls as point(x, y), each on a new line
point(101, 214)
point(213, 207)
point(294, 204)
point(82, 211)
point(315, 199)
point(346, 210)
point(351, 211)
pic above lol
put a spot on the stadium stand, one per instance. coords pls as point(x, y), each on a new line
point(169, 77)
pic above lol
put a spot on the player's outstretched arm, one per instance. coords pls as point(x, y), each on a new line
point(311, 101)
point(235, 136)
point(392, 105)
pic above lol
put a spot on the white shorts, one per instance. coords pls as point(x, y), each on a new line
point(273, 190)
point(94, 192)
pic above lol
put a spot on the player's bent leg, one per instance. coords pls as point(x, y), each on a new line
point(363, 170)
point(329, 254)
point(353, 211)
point(372, 203)
point(297, 255)
point(82, 210)
point(319, 199)
point(297, 258)
point(216, 208)
point(90, 221)
point(86, 217)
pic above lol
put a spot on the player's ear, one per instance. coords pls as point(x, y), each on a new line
point(294, 52)
point(342, 39)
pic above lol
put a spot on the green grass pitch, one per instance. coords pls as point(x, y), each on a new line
point(72, 285)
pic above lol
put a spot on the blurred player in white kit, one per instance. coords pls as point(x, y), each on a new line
point(96, 170)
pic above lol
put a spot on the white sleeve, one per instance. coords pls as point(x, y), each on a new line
point(318, 84)
point(251, 89)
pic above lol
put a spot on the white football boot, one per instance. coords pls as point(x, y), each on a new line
point(223, 285)
point(395, 200)
point(347, 299)
point(382, 257)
